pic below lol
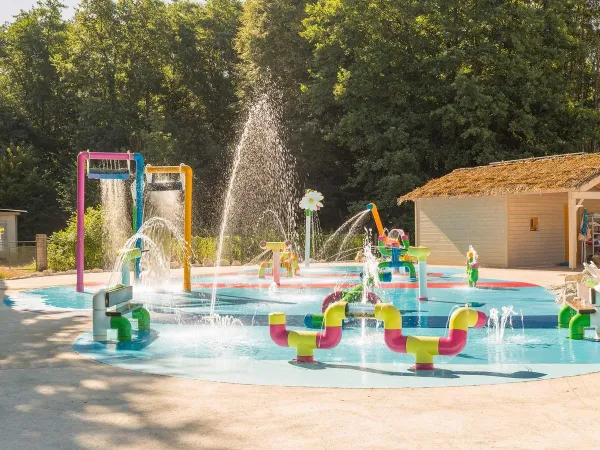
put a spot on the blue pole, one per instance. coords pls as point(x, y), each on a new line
point(139, 204)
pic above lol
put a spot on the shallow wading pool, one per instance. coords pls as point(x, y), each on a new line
point(182, 344)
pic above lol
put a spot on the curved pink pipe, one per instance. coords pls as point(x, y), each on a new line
point(453, 343)
point(395, 341)
point(279, 335)
point(329, 338)
point(481, 319)
point(326, 339)
point(456, 340)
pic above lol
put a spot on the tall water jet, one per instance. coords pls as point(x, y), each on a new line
point(353, 229)
point(497, 323)
point(116, 220)
point(262, 177)
point(370, 278)
point(352, 223)
point(169, 206)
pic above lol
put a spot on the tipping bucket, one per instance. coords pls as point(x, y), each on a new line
point(161, 186)
point(108, 170)
point(99, 173)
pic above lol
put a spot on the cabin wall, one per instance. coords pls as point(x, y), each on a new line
point(544, 247)
point(449, 225)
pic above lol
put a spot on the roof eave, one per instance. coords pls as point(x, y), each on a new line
point(17, 212)
point(410, 198)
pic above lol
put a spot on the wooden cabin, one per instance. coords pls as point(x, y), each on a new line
point(522, 213)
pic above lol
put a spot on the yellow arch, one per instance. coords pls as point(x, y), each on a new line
point(187, 217)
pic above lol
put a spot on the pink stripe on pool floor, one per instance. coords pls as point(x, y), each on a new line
point(292, 285)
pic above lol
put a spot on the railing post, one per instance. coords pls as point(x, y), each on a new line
point(41, 252)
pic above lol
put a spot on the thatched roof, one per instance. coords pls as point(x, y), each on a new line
point(523, 176)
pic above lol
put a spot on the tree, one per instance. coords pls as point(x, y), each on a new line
point(30, 81)
point(275, 57)
point(200, 105)
point(414, 90)
point(24, 184)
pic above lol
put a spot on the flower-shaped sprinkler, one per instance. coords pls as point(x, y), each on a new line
point(309, 203)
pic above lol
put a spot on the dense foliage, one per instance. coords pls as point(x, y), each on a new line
point(377, 96)
point(61, 245)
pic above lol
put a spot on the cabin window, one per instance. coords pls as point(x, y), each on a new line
point(3, 243)
point(533, 224)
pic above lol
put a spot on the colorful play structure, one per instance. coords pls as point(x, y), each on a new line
point(353, 295)
point(310, 202)
point(117, 166)
point(423, 347)
point(282, 257)
point(397, 253)
point(183, 183)
point(111, 305)
point(583, 311)
point(472, 267)
point(106, 172)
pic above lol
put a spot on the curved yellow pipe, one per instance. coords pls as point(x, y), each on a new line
point(187, 217)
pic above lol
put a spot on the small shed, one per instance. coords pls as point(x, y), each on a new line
point(9, 234)
point(522, 213)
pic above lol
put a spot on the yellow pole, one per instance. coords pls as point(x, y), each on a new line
point(187, 217)
point(373, 208)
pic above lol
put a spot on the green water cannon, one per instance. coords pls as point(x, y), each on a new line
point(128, 256)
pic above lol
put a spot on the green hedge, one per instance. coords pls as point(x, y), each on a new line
point(61, 244)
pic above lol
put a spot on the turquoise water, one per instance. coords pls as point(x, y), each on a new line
point(358, 345)
point(246, 355)
point(299, 296)
point(183, 345)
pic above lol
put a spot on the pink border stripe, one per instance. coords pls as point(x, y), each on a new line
point(497, 284)
point(501, 284)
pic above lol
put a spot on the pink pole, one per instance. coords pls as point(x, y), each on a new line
point(109, 155)
point(81, 159)
point(276, 264)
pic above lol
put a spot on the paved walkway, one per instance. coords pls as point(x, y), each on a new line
point(52, 398)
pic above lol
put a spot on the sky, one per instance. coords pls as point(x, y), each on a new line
point(9, 8)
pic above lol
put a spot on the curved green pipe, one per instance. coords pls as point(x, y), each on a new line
point(123, 327)
point(390, 264)
point(577, 326)
point(565, 315)
point(411, 268)
point(385, 251)
point(143, 317)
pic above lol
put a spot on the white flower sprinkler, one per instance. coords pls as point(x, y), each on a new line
point(309, 203)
